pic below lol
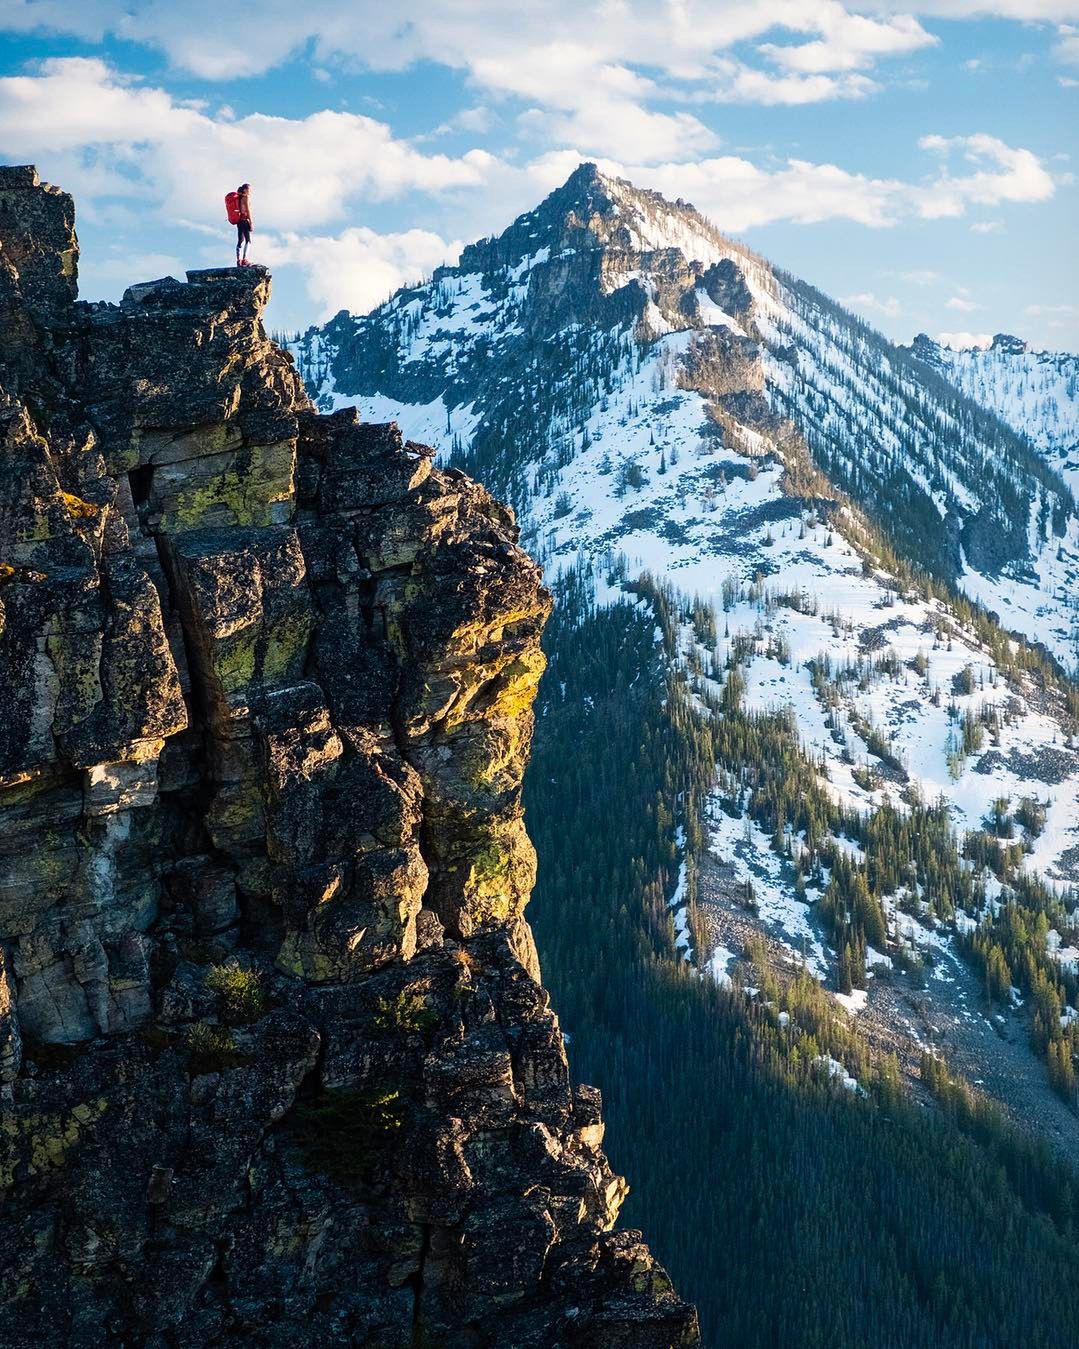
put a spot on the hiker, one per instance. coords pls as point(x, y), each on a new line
point(238, 207)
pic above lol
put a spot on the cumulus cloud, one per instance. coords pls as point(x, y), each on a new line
point(358, 268)
point(851, 42)
point(1025, 11)
point(965, 341)
point(608, 75)
point(135, 154)
point(1066, 48)
point(125, 139)
point(476, 119)
point(118, 137)
point(603, 109)
point(996, 173)
point(133, 140)
point(865, 301)
point(606, 78)
point(120, 267)
point(740, 83)
point(961, 304)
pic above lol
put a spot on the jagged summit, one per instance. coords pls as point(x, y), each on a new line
point(1010, 344)
point(924, 346)
point(588, 192)
point(593, 211)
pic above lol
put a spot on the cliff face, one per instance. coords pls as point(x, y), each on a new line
point(276, 1062)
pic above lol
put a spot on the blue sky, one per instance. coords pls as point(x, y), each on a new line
point(916, 161)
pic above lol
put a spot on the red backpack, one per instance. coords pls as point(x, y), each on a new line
point(232, 207)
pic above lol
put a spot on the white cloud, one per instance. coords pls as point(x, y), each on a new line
point(604, 122)
point(604, 78)
point(477, 119)
point(358, 268)
point(122, 267)
point(851, 42)
point(963, 341)
point(126, 139)
point(738, 195)
point(924, 276)
point(1066, 48)
point(136, 157)
point(999, 173)
point(962, 305)
point(1025, 11)
point(592, 68)
point(867, 302)
point(740, 83)
point(114, 136)
point(987, 226)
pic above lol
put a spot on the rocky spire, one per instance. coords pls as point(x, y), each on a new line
point(276, 1059)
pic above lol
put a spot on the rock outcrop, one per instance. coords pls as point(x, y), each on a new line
point(276, 1063)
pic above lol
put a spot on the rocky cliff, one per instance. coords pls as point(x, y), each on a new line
point(276, 1063)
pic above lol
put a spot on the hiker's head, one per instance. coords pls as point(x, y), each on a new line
point(244, 187)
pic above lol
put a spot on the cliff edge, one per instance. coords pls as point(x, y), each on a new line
point(275, 1060)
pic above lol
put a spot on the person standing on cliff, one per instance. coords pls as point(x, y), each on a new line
point(243, 222)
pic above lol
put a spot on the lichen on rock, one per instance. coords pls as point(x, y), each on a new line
point(275, 1063)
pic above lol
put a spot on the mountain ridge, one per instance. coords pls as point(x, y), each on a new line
point(656, 398)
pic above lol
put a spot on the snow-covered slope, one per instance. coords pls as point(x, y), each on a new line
point(610, 312)
point(1035, 392)
point(643, 388)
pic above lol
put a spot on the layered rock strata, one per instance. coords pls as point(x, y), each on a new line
point(275, 1059)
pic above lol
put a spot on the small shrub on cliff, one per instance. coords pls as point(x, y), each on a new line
point(408, 1012)
point(212, 1047)
point(239, 990)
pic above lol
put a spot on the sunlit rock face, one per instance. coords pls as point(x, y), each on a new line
point(276, 1061)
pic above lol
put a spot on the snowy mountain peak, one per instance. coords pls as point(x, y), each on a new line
point(609, 322)
point(1009, 345)
point(596, 210)
point(596, 235)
